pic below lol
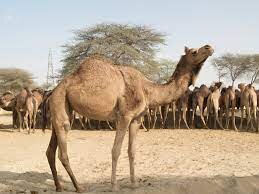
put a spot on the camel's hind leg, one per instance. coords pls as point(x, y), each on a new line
point(51, 155)
point(184, 117)
point(61, 133)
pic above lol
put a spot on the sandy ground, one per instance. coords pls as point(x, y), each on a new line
point(167, 161)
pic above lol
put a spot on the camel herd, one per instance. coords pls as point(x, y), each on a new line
point(214, 103)
point(102, 91)
point(221, 104)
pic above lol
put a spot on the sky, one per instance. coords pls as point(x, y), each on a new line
point(28, 29)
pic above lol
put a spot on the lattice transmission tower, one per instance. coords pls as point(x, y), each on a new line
point(50, 73)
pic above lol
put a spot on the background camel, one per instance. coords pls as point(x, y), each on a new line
point(8, 102)
point(25, 103)
point(248, 100)
point(227, 102)
point(199, 98)
point(99, 90)
point(213, 104)
point(183, 104)
point(37, 102)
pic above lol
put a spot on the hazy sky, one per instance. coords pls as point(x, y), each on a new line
point(28, 29)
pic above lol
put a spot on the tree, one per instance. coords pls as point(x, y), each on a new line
point(232, 66)
point(123, 44)
point(14, 79)
point(163, 70)
point(221, 72)
point(254, 68)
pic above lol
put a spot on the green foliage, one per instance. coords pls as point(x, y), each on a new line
point(14, 79)
point(254, 68)
point(123, 44)
point(232, 66)
point(163, 70)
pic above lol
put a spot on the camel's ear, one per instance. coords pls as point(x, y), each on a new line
point(186, 49)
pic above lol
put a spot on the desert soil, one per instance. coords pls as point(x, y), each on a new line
point(167, 161)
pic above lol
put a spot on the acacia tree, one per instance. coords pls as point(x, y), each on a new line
point(221, 72)
point(232, 66)
point(163, 70)
point(254, 68)
point(124, 44)
point(14, 79)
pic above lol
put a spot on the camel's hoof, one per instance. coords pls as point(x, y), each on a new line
point(81, 190)
point(115, 187)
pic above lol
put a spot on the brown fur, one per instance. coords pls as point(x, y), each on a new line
point(99, 90)
point(199, 98)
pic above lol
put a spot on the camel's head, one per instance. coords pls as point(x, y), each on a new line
point(6, 98)
point(241, 86)
point(205, 91)
point(195, 57)
point(38, 90)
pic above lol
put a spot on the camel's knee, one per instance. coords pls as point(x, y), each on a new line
point(131, 153)
point(50, 153)
point(115, 154)
point(63, 158)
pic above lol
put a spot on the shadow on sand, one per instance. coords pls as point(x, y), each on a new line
point(27, 182)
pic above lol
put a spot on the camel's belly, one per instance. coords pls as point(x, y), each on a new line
point(99, 105)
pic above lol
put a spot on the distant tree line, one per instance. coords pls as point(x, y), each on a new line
point(134, 45)
point(14, 79)
point(235, 66)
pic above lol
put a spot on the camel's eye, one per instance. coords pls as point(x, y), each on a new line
point(194, 52)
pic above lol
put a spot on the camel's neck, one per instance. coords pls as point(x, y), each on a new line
point(159, 94)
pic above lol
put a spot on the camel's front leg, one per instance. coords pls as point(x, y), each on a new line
point(200, 104)
point(184, 117)
point(134, 126)
point(121, 128)
point(233, 118)
point(25, 118)
point(242, 116)
point(20, 120)
point(173, 113)
point(165, 115)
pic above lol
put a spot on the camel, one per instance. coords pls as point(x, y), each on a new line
point(25, 102)
point(213, 104)
point(227, 102)
point(248, 100)
point(37, 98)
point(199, 98)
point(183, 104)
point(7, 102)
point(100, 90)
